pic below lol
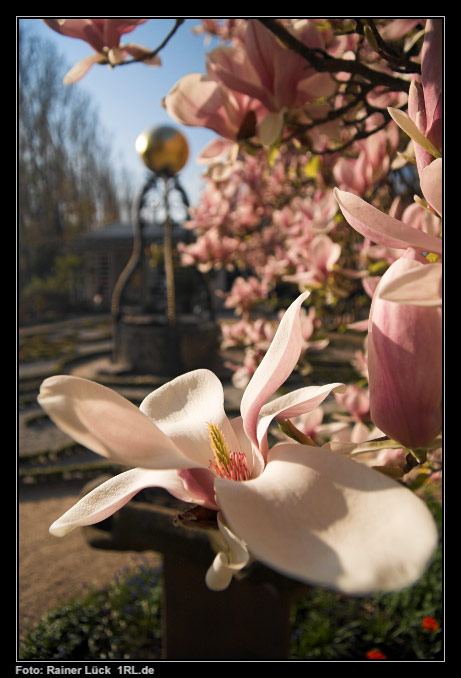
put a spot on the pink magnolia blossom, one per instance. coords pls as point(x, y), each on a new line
point(361, 173)
point(104, 37)
point(197, 100)
point(311, 514)
point(245, 293)
point(405, 362)
point(356, 401)
point(279, 78)
point(318, 260)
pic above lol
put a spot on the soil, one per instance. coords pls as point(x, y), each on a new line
point(54, 570)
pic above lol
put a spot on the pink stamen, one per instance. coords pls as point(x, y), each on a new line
point(236, 468)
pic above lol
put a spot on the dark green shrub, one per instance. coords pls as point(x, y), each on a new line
point(121, 621)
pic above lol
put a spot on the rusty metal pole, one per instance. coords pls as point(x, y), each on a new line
point(168, 257)
point(247, 621)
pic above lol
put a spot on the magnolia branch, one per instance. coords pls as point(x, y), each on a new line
point(151, 55)
point(324, 63)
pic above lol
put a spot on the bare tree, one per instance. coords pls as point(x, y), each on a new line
point(66, 182)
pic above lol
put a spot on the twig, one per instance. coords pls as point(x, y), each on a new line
point(322, 62)
point(150, 55)
point(398, 62)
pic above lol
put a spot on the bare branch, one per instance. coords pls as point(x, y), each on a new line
point(322, 62)
point(150, 55)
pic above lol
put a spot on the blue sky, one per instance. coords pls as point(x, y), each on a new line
point(129, 98)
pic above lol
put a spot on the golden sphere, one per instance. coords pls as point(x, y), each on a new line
point(163, 149)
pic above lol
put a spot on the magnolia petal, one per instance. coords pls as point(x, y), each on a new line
point(421, 286)
point(381, 228)
point(82, 67)
point(270, 128)
point(408, 126)
point(199, 482)
point(111, 495)
point(140, 52)
point(184, 407)
point(432, 67)
point(275, 367)
point(405, 375)
point(102, 420)
point(196, 100)
point(83, 29)
point(291, 405)
point(254, 457)
point(216, 150)
point(432, 185)
point(327, 520)
point(228, 562)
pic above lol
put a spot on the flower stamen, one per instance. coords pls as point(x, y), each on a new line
point(226, 464)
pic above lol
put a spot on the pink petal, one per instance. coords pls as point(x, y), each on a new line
point(197, 101)
point(215, 150)
point(254, 457)
point(184, 407)
point(420, 286)
point(381, 228)
point(107, 423)
point(83, 29)
point(405, 364)
point(432, 67)
point(139, 51)
point(417, 113)
point(275, 367)
point(327, 520)
point(109, 497)
point(199, 482)
point(432, 184)
point(114, 28)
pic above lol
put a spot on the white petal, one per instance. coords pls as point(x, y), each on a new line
point(292, 405)
point(110, 496)
point(102, 420)
point(275, 367)
point(227, 562)
point(327, 520)
point(182, 409)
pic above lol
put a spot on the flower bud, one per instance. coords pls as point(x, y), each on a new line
point(405, 364)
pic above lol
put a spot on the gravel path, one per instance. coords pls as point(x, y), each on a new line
point(52, 570)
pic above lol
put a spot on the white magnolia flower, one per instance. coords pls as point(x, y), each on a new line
point(308, 512)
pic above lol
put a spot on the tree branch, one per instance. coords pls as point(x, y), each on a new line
point(150, 55)
point(322, 62)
